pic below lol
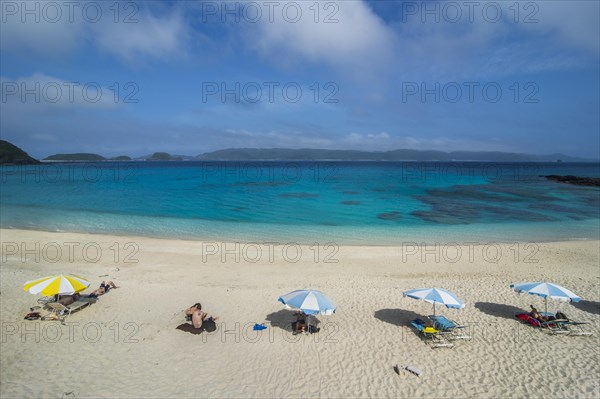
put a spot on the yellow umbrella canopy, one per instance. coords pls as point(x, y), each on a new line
point(61, 285)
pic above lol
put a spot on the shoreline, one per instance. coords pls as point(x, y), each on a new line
point(134, 327)
point(343, 241)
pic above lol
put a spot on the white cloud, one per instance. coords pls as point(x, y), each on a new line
point(41, 92)
point(151, 36)
point(37, 27)
point(346, 34)
point(574, 24)
point(137, 30)
point(543, 35)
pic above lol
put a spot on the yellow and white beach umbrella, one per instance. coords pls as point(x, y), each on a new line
point(61, 285)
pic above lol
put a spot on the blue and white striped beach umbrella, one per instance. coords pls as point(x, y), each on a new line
point(436, 295)
point(308, 301)
point(546, 290)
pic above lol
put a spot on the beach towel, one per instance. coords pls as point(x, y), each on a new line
point(208, 326)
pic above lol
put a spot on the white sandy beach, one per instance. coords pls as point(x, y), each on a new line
point(126, 344)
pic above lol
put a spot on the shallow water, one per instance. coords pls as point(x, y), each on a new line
point(344, 202)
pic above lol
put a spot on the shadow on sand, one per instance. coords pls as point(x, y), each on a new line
point(498, 309)
point(397, 317)
point(282, 319)
point(588, 306)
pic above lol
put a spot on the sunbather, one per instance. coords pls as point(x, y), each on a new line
point(197, 315)
point(536, 315)
point(104, 288)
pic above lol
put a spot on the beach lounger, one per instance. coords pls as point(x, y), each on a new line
point(46, 299)
point(557, 326)
point(568, 327)
point(64, 311)
point(446, 325)
point(434, 337)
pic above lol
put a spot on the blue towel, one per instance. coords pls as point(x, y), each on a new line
point(258, 327)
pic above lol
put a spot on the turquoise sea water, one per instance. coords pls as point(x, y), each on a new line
point(307, 202)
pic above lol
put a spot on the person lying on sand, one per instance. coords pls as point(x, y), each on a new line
point(104, 288)
point(197, 315)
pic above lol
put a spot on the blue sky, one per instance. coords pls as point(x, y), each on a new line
point(380, 75)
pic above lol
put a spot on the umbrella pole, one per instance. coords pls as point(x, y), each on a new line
point(434, 308)
point(546, 304)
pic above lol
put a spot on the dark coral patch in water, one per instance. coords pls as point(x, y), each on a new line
point(464, 205)
point(350, 202)
point(390, 216)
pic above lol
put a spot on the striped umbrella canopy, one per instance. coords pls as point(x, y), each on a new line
point(546, 290)
point(56, 285)
point(310, 302)
point(436, 295)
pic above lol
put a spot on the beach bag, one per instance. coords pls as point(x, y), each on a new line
point(33, 316)
point(561, 316)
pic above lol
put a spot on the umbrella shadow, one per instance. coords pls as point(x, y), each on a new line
point(588, 306)
point(282, 319)
point(286, 318)
point(498, 309)
point(397, 317)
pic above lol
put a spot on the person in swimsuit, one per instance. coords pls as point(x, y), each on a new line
point(197, 315)
point(104, 288)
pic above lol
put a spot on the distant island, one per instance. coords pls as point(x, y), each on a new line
point(10, 154)
point(89, 157)
point(82, 156)
point(163, 156)
point(286, 154)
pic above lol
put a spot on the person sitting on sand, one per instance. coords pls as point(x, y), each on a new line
point(197, 315)
point(300, 323)
point(104, 288)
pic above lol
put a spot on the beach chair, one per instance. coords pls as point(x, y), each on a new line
point(63, 311)
point(46, 299)
point(434, 337)
point(556, 326)
point(446, 325)
point(568, 327)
